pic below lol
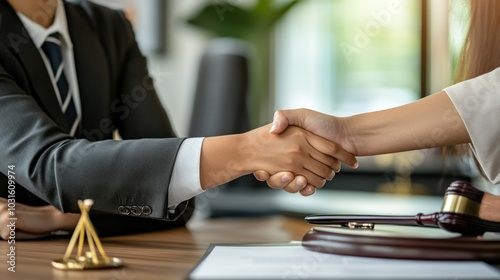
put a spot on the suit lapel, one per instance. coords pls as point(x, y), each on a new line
point(91, 66)
point(15, 37)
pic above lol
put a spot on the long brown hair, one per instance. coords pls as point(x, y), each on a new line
point(481, 50)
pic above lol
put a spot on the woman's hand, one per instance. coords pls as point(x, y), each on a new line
point(327, 126)
point(34, 221)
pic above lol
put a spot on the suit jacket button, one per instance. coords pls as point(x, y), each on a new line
point(123, 210)
point(146, 210)
point(136, 210)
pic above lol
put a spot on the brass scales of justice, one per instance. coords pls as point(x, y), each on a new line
point(89, 260)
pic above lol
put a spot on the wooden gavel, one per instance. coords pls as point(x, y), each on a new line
point(465, 210)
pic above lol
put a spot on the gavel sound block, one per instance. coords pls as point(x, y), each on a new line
point(457, 232)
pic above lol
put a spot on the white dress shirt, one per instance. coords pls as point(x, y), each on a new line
point(185, 180)
point(478, 103)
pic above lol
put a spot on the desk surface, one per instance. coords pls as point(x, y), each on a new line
point(169, 254)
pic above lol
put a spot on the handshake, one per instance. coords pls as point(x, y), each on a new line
point(327, 143)
point(298, 152)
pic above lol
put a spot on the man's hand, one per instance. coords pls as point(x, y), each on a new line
point(34, 222)
point(326, 126)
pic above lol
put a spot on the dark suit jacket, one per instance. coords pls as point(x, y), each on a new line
point(116, 92)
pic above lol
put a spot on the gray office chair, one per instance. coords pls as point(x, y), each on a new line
point(220, 102)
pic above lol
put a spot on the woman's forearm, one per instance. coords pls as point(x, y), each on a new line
point(430, 122)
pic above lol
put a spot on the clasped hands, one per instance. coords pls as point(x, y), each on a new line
point(339, 148)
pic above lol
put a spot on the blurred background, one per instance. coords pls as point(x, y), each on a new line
point(224, 66)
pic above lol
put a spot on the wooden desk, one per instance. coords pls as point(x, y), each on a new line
point(169, 254)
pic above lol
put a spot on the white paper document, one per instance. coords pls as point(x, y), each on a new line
point(294, 262)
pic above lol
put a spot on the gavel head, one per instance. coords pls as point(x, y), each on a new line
point(462, 198)
point(467, 210)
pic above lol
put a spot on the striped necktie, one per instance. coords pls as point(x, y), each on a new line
point(52, 49)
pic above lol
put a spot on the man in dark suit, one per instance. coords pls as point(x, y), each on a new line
point(70, 75)
point(115, 92)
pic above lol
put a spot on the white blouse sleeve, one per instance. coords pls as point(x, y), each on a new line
point(478, 103)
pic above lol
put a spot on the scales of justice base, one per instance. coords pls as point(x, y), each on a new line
point(90, 259)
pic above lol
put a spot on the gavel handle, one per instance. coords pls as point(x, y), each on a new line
point(419, 219)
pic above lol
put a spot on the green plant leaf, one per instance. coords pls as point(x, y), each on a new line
point(224, 20)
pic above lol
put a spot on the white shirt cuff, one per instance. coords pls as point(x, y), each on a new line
point(185, 180)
